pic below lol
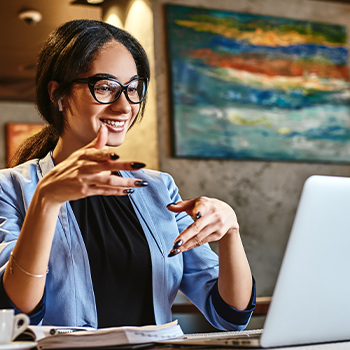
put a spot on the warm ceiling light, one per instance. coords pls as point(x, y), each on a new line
point(87, 2)
point(30, 16)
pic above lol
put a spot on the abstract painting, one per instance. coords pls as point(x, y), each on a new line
point(246, 86)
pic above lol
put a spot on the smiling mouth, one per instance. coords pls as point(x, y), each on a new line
point(114, 123)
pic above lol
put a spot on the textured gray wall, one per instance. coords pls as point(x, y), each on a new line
point(264, 194)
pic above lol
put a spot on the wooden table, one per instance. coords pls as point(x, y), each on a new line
point(262, 305)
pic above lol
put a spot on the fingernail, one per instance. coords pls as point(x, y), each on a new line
point(199, 215)
point(174, 252)
point(171, 204)
point(136, 165)
point(141, 183)
point(128, 191)
point(114, 156)
point(178, 244)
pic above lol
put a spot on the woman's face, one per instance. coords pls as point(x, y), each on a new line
point(84, 115)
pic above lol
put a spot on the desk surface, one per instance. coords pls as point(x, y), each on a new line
point(326, 346)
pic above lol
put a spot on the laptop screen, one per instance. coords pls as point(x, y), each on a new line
point(309, 303)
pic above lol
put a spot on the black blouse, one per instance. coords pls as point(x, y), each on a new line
point(120, 260)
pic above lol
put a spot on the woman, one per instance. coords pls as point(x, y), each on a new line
point(89, 240)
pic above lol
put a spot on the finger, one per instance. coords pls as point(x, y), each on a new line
point(101, 139)
point(113, 180)
point(203, 230)
point(208, 234)
point(181, 206)
point(181, 242)
point(91, 156)
point(107, 178)
point(95, 155)
point(195, 229)
point(190, 206)
point(109, 191)
point(103, 184)
point(99, 163)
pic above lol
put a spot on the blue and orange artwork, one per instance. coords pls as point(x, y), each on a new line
point(247, 86)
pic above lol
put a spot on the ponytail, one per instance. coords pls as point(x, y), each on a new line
point(36, 146)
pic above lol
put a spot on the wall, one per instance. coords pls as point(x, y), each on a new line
point(263, 194)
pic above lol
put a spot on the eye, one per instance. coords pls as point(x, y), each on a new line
point(132, 88)
point(106, 87)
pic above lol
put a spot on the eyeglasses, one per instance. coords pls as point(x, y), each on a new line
point(108, 90)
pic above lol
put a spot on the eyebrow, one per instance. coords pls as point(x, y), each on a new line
point(110, 76)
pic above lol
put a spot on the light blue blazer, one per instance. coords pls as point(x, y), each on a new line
point(69, 292)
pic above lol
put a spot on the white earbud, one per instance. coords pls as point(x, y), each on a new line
point(60, 107)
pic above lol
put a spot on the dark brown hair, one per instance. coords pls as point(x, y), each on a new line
point(68, 52)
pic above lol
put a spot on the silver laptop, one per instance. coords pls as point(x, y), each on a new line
point(310, 300)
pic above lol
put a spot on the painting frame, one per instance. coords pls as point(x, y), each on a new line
point(16, 133)
point(327, 142)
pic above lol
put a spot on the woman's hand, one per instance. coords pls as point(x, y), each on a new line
point(213, 220)
point(217, 221)
point(90, 171)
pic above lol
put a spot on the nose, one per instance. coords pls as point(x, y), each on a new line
point(121, 105)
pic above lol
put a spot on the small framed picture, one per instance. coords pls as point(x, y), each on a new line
point(16, 133)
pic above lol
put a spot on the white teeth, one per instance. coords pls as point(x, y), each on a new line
point(113, 122)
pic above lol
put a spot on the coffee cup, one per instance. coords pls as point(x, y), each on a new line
point(11, 325)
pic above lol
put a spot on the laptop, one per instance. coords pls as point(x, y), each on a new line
point(310, 300)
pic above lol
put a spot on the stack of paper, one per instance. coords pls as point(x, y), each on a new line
point(48, 337)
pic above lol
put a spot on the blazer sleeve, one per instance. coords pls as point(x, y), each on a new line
point(12, 215)
point(12, 212)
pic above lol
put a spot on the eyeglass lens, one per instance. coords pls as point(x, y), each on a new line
point(108, 90)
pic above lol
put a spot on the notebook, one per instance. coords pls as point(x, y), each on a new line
point(310, 300)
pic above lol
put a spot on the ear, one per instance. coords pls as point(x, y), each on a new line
point(51, 88)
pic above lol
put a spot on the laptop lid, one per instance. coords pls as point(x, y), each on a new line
point(310, 299)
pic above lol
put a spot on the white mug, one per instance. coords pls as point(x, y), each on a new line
point(11, 325)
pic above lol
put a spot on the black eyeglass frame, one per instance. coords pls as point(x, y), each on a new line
point(91, 81)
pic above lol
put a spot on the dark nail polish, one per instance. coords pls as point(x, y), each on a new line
point(174, 252)
point(178, 244)
point(114, 156)
point(199, 215)
point(173, 203)
point(129, 191)
point(136, 165)
point(141, 183)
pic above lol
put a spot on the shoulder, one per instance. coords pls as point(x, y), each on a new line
point(20, 177)
point(22, 170)
point(33, 168)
